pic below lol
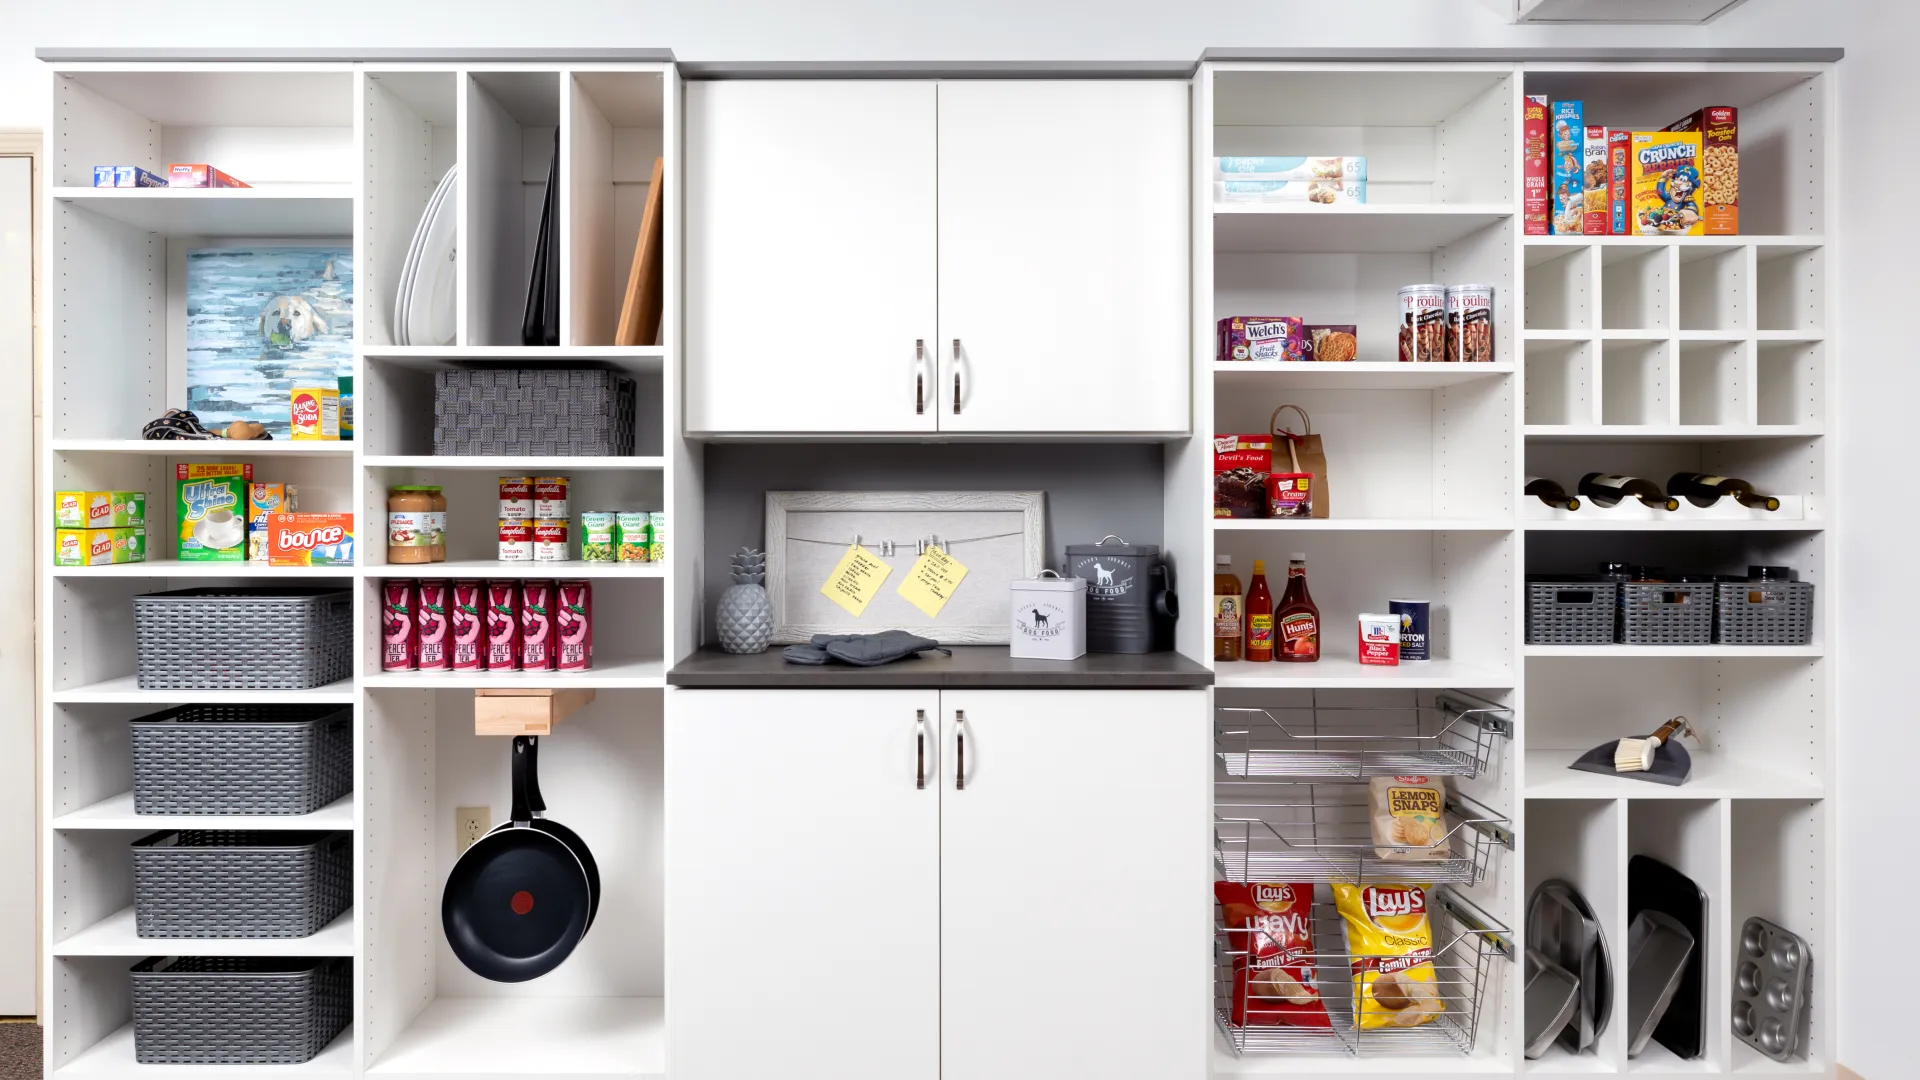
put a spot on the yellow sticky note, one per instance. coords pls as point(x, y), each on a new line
point(856, 580)
point(930, 584)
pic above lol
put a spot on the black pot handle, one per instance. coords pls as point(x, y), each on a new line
point(526, 778)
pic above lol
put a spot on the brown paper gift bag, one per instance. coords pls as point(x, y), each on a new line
point(1301, 452)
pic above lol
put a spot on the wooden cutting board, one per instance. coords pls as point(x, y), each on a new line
point(640, 311)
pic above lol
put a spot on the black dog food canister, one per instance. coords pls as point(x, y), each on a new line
point(1130, 605)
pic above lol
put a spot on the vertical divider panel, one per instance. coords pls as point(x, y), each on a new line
point(587, 142)
point(570, 192)
point(398, 912)
point(464, 256)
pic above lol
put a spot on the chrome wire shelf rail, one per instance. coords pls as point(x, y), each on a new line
point(1466, 943)
point(1456, 735)
point(1324, 833)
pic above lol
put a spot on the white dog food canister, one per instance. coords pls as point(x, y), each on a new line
point(1049, 618)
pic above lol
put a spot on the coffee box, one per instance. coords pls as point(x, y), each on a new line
point(1567, 145)
point(309, 539)
point(1536, 172)
point(98, 547)
point(264, 499)
point(210, 504)
point(99, 509)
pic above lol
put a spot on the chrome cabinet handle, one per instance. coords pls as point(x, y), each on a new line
point(920, 377)
point(960, 742)
point(956, 376)
point(920, 749)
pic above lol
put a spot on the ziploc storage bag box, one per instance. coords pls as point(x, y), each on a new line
point(210, 505)
point(99, 509)
point(1566, 136)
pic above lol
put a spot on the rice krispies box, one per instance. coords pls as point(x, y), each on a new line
point(1719, 128)
point(1536, 171)
point(1568, 136)
point(1665, 174)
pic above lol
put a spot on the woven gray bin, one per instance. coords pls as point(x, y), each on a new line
point(1764, 613)
point(1667, 612)
point(241, 759)
point(1571, 612)
point(546, 412)
point(220, 883)
point(192, 1010)
point(243, 639)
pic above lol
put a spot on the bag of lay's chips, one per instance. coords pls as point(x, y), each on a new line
point(1270, 924)
point(1391, 943)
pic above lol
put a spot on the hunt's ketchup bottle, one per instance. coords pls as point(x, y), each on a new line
point(1297, 623)
point(1259, 607)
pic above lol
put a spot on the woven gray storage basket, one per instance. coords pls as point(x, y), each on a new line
point(1571, 612)
point(193, 1010)
point(1764, 613)
point(241, 759)
point(559, 412)
point(243, 639)
point(1668, 612)
point(219, 883)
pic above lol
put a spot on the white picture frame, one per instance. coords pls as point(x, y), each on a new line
point(807, 533)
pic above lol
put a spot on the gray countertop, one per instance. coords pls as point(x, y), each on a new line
point(977, 667)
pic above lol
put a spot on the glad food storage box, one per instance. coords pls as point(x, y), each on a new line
point(210, 503)
point(99, 509)
point(98, 547)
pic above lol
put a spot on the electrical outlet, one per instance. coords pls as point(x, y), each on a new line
point(470, 823)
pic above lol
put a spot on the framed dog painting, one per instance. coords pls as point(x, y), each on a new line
point(262, 320)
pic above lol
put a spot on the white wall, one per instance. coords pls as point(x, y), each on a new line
point(1881, 381)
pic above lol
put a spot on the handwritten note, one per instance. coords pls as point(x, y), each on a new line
point(856, 580)
point(930, 584)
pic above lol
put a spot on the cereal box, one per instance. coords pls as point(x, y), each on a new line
point(1665, 174)
point(1619, 191)
point(99, 509)
point(98, 547)
point(264, 499)
point(1536, 173)
point(316, 412)
point(1260, 337)
point(1719, 128)
point(310, 540)
point(210, 504)
point(1593, 160)
point(1568, 136)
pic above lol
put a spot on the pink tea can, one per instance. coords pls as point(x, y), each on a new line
point(431, 617)
point(503, 626)
point(399, 634)
point(537, 651)
point(574, 621)
point(468, 597)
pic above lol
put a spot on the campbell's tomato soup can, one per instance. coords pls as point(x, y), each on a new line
point(503, 626)
point(516, 498)
point(549, 498)
point(465, 615)
point(550, 542)
point(574, 623)
point(431, 616)
point(516, 541)
point(399, 634)
point(536, 626)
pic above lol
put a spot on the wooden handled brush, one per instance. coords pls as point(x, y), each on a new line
point(1636, 755)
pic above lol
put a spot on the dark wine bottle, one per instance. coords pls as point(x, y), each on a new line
point(1551, 493)
point(1607, 489)
point(1705, 489)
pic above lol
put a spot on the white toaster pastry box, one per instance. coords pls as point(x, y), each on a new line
point(1049, 618)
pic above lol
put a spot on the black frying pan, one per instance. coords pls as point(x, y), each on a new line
point(538, 806)
point(520, 899)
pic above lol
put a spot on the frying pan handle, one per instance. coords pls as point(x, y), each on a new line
point(526, 779)
point(536, 802)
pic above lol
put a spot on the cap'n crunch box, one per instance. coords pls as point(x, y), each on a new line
point(1535, 175)
point(1619, 191)
point(1666, 183)
point(1567, 137)
point(1719, 128)
point(309, 539)
point(99, 509)
point(1593, 161)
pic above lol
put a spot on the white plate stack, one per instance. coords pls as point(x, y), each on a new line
point(424, 305)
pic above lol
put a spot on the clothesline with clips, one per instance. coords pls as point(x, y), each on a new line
point(920, 545)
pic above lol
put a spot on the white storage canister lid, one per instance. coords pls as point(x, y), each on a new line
point(1048, 581)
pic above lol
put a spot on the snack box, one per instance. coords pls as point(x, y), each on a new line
point(309, 539)
point(1330, 343)
point(1619, 188)
point(1536, 170)
point(1719, 128)
point(264, 499)
point(210, 503)
point(200, 176)
point(1380, 640)
point(1260, 337)
point(99, 509)
point(1593, 161)
point(98, 547)
point(1322, 192)
point(1289, 168)
point(316, 413)
point(1566, 141)
point(125, 176)
point(1664, 170)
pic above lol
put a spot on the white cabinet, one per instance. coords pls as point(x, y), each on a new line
point(810, 257)
point(1048, 916)
point(1064, 256)
point(966, 257)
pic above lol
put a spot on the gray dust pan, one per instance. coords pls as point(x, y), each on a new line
point(1672, 765)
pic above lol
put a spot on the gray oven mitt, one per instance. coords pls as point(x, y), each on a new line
point(861, 650)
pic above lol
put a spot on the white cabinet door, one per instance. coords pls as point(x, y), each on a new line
point(1064, 254)
point(802, 885)
point(1074, 884)
point(810, 218)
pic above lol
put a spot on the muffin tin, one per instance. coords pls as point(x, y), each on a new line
point(1770, 980)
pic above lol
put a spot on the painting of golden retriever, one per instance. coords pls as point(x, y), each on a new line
point(261, 321)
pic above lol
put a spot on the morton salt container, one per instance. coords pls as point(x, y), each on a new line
point(1130, 601)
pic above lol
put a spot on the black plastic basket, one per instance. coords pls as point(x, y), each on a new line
point(220, 883)
point(241, 759)
point(243, 639)
point(194, 1010)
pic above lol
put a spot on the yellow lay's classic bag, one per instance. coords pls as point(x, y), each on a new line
point(1391, 943)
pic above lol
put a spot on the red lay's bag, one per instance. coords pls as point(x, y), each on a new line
point(1270, 924)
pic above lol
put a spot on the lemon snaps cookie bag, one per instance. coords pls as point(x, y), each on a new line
point(1391, 942)
point(1410, 821)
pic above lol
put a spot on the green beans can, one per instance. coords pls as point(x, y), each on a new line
point(599, 537)
point(633, 535)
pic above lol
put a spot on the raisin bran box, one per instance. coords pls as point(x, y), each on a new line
point(1593, 159)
